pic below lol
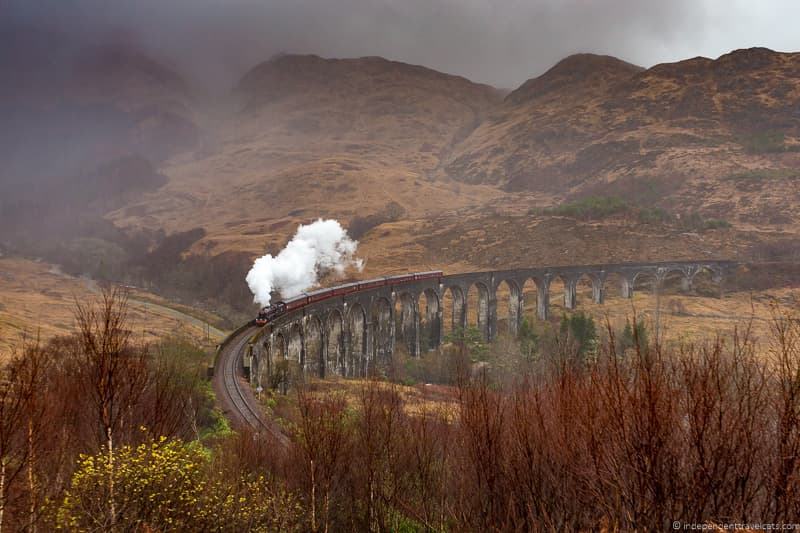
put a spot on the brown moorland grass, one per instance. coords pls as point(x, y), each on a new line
point(703, 433)
point(36, 299)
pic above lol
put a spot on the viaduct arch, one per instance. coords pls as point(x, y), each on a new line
point(357, 333)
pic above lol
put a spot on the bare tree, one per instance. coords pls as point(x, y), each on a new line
point(168, 406)
point(113, 372)
point(785, 470)
point(323, 443)
point(19, 381)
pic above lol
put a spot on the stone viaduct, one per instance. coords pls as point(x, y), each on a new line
point(355, 335)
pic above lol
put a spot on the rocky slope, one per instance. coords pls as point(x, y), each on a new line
point(420, 161)
point(315, 137)
point(704, 134)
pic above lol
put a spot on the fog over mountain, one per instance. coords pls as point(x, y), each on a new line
point(497, 42)
point(169, 143)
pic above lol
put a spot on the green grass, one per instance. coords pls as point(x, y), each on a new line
point(601, 207)
point(654, 215)
point(764, 174)
point(218, 428)
point(764, 142)
point(716, 223)
point(696, 222)
point(590, 208)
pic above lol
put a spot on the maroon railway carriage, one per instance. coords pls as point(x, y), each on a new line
point(371, 284)
point(297, 302)
point(428, 275)
point(397, 280)
point(318, 296)
point(342, 290)
point(277, 309)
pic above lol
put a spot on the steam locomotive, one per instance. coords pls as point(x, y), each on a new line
point(271, 312)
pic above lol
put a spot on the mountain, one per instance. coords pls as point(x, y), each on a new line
point(308, 136)
point(65, 110)
point(377, 142)
point(82, 132)
point(594, 123)
point(574, 78)
point(596, 159)
point(333, 103)
point(154, 97)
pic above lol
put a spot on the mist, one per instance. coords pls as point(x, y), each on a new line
point(501, 43)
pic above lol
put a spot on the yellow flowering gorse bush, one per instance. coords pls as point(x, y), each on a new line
point(167, 485)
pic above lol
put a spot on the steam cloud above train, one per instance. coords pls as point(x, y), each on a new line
point(316, 249)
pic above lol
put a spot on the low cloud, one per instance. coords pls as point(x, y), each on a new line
point(498, 42)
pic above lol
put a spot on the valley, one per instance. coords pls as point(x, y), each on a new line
point(38, 301)
point(596, 160)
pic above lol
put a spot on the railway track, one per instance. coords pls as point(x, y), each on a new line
point(242, 408)
point(237, 400)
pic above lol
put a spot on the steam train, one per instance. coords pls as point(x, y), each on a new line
point(271, 312)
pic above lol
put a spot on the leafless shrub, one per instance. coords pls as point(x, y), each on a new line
point(20, 431)
point(702, 433)
point(321, 453)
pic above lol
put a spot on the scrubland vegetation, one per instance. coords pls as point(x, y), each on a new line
point(100, 432)
point(360, 225)
point(573, 426)
point(603, 207)
point(615, 434)
point(766, 142)
point(84, 244)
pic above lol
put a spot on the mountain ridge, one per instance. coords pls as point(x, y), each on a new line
point(545, 141)
point(390, 148)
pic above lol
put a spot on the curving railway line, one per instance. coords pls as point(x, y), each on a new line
point(237, 400)
point(358, 320)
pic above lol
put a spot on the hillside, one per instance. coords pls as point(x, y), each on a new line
point(84, 138)
point(596, 159)
point(319, 137)
point(722, 136)
point(699, 139)
point(37, 299)
point(65, 111)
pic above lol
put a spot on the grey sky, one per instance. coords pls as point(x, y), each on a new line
point(502, 42)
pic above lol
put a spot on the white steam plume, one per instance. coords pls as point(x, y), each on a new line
point(315, 249)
